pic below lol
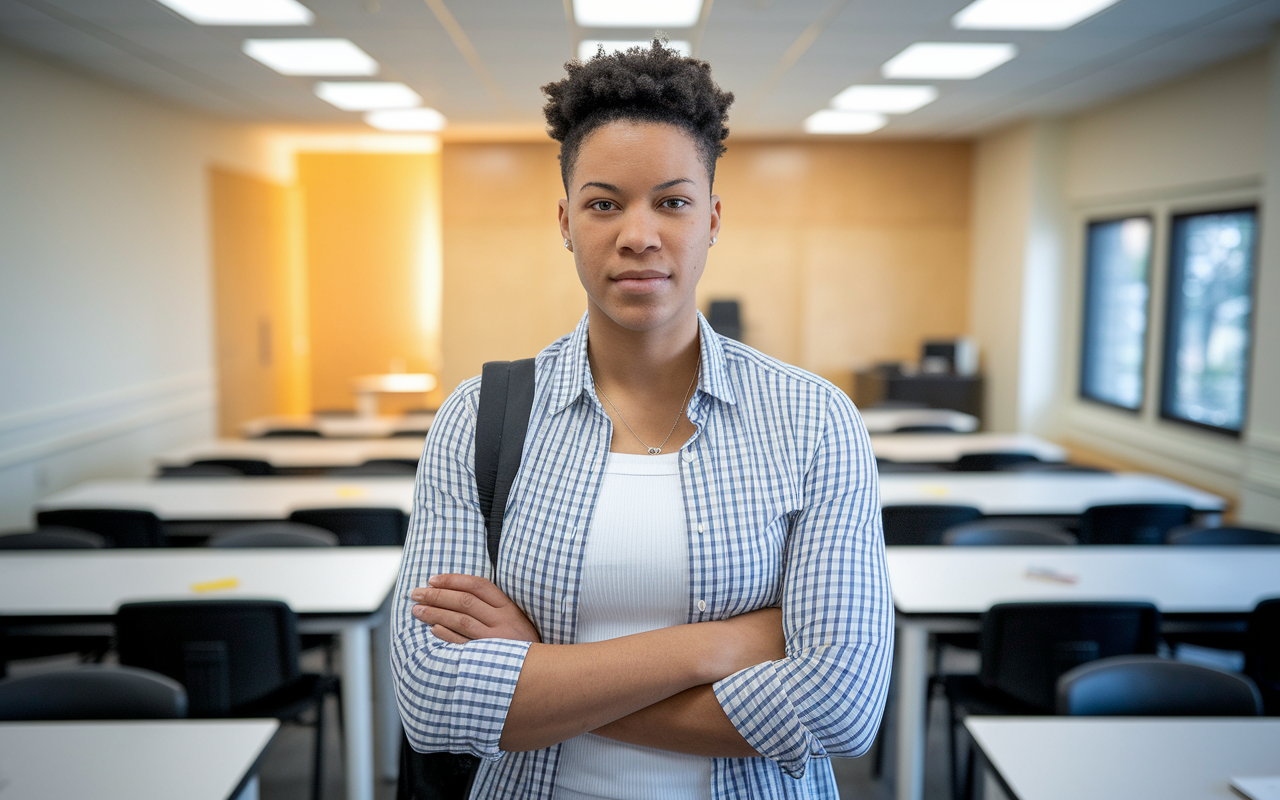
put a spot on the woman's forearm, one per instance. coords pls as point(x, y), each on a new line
point(690, 722)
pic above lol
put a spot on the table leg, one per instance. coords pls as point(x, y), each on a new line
point(386, 715)
point(357, 710)
point(913, 686)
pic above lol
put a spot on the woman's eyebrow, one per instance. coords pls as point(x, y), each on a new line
point(608, 187)
point(669, 184)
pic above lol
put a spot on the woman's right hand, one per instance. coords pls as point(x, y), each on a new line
point(750, 639)
point(460, 608)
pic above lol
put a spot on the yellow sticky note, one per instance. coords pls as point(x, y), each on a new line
point(352, 491)
point(936, 491)
point(215, 585)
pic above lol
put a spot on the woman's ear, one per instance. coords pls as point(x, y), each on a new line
point(715, 219)
point(563, 214)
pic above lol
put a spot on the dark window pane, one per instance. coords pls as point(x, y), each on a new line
point(1115, 312)
point(1207, 335)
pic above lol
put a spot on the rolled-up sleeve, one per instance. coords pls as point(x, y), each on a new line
point(827, 696)
point(452, 697)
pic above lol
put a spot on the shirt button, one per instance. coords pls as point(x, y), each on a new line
point(701, 528)
point(702, 605)
point(688, 456)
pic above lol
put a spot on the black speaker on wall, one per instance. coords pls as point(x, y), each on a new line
point(725, 318)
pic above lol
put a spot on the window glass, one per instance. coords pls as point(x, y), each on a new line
point(1115, 312)
point(1208, 329)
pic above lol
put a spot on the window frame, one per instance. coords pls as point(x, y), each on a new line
point(1085, 330)
point(1173, 277)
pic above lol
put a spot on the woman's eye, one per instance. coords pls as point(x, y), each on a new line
point(675, 202)
point(603, 205)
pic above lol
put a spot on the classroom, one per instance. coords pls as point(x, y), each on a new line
point(973, 484)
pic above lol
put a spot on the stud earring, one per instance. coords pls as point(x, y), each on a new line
point(568, 245)
point(713, 241)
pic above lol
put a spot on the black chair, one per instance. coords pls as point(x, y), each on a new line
point(1026, 647)
point(290, 433)
point(358, 527)
point(254, 467)
point(925, 429)
point(377, 467)
point(1149, 686)
point(120, 527)
point(1215, 537)
point(273, 534)
point(92, 693)
point(1262, 652)
point(416, 433)
point(887, 467)
point(199, 471)
point(1007, 533)
point(52, 538)
point(923, 524)
point(236, 658)
point(1131, 523)
point(992, 462)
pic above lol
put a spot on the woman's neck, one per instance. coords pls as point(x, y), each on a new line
point(648, 363)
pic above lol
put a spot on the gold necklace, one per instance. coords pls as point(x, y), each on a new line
point(653, 451)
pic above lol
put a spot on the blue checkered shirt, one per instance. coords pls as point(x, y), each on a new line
point(783, 508)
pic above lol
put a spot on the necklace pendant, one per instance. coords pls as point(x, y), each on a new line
point(653, 451)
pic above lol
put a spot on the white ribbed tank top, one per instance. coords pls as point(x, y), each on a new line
point(635, 578)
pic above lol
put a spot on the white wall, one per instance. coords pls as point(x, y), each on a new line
point(106, 348)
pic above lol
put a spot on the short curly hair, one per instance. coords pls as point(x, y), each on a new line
point(656, 84)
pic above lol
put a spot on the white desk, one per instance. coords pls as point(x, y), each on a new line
point(1039, 493)
point(135, 760)
point(888, 420)
point(368, 387)
point(341, 590)
point(187, 499)
point(1047, 758)
point(341, 426)
point(944, 448)
point(299, 453)
point(937, 589)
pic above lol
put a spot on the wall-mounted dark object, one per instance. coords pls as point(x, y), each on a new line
point(725, 318)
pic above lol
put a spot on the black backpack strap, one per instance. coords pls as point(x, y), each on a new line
point(506, 399)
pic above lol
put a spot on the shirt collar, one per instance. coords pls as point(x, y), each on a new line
point(572, 376)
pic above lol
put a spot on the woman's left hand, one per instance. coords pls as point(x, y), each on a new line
point(460, 608)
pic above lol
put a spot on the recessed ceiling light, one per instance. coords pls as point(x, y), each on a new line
point(887, 99)
point(637, 13)
point(1021, 15)
point(406, 119)
point(832, 121)
point(242, 12)
point(947, 60)
point(587, 47)
point(311, 56)
point(367, 95)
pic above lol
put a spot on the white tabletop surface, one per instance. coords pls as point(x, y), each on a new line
point(1047, 758)
point(342, 426)
point(133, 760)
point(969, 580)
point(948, 447)
point(178, 499)
point(320, 581)
point(888, 420)
point(302, 451)
point(1039, 492)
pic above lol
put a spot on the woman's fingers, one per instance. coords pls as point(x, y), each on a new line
point(441, 632)
point(461, 624)
point(482, 588)
point(479, 609)
point(461, 602)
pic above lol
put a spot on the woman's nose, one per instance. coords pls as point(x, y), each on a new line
point(639, 232)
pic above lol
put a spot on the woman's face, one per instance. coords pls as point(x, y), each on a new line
point(640, 216)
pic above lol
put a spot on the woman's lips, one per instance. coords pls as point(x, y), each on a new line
point(640, 280)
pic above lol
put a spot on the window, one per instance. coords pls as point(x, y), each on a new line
point(1115, 311)
point(1206, 349)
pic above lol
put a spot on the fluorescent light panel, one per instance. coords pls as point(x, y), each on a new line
point(947, 60)
point(311, 56)
point(830, 120)
point(1023, 15)
point(888, 99)
point(242, 12)
point(587, 47)
point(367, 95)
point(406, 119)
point(637, 13)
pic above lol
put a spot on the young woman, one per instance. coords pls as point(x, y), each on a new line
point(690, 599)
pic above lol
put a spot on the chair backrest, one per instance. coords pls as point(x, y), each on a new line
point(923, 524)
point(290, 433)
point(1027, 646)
point(991, 462)
point(998, 533)
point(1150, 686)
point(274, 534)
point(120, 527)
point(1214, 537)
point(887, 467)
point(925, 429)
point(1262, 652)
point(245, 466)
point(199, 471)
point(92, 693)
point(358, 527)
point(227, 653)
point(1131, 523)
point(377, 467)
point(52, 538)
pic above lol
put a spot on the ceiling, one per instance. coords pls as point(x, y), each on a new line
point(480, 62)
